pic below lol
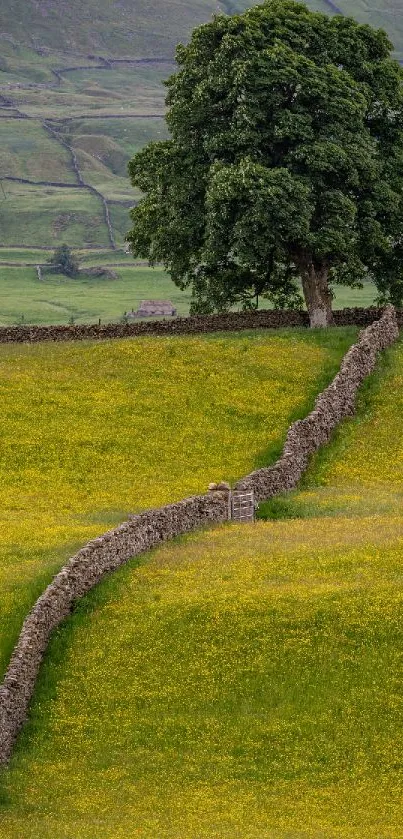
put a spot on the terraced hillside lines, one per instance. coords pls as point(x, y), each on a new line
point(246, 685)
point(51, 214)
point(98, 164)
point(31, 153)
point(49, 82)
point(92, 432)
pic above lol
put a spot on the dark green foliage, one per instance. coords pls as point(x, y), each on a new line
point(285, 162)
point(64, 261)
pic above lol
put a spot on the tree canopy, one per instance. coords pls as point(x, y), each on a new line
point(64, 261)
point(285, 162)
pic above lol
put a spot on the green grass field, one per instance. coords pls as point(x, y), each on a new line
point(32, 154)
point(245, 681)
point(51, 215)
point(57, 299)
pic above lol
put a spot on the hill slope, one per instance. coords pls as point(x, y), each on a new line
point(81, 91)
point(133, 28)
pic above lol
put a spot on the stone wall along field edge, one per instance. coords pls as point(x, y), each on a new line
point(332, 405)
point(229, 322)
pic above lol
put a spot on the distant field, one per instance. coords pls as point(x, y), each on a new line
point(41, 255)
point(49, 216)
point(57, 299)
point(32, 154)
point(143, 28)
point(248, 682)
point(104, 113)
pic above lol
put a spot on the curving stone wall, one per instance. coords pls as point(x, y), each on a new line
point(82, 572)
point(142, 532)
point(230, 322)
point(331, 406)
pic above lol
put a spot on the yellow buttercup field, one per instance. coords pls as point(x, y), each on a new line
point(240, 682)
point(361, 472)
point(93, 431)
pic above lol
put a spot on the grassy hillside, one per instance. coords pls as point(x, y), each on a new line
point(53, 75)
point(248, 678)
point(51, 215)
point(134, 28)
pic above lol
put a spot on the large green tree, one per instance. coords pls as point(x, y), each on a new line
point(285, 162)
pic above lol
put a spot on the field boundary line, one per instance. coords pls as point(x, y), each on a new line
point(191, 325)
point(332, 405)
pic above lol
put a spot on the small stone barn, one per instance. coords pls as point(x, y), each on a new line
point(154, 308)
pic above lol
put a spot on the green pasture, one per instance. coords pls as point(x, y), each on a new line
point(135, 87)
point(57, 299)
point(129, 89)
point(24, 255)
point(23, 64)
point(41, 255)
point(128, 134)
point(248, 680)
point(104, 148)
point(33, 215)
point(32, 154)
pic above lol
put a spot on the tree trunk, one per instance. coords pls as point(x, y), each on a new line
point(318, 297)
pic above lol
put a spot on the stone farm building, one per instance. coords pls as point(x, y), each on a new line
point(153, 308)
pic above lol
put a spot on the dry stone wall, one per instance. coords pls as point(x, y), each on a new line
point(335, 403)
point(83, 571)
point(230, 322)
point(142, 532)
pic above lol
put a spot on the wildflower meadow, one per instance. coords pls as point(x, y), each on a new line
point(91, 432)
point(243, 681)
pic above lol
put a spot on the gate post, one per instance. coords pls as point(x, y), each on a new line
point(241, 505)
point(224, 489)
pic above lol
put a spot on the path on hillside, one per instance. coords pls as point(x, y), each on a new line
point(51, 126)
